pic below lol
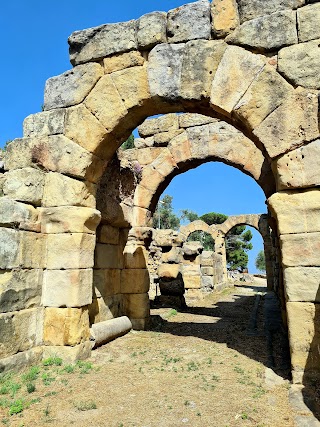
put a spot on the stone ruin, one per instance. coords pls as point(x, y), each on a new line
point(75, 224)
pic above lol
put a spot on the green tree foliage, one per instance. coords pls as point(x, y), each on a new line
point(237, 240)
point(129, 143)
point(260, 262)
point(164, 217)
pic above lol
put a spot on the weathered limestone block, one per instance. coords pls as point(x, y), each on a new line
point(32, 250)
point(292, 124)
point(173, 256)
point(70, 251)
point(179, 19)
point(166, 123)
point(192, 282)
point(207, 282)
point(164, 70)
point(151, 30)
point(122, 61)
point(302, 283)
point(105, 103)
point(180, 148)
point(20, 331)
point(304, 335)
point(60, 190)
point(300, 64)
point(25, 185)
point(141, 217)
point(168, 271)
point(103, 309)
point(66, 326)
point(225, 17)
point(19, 153)
point(136, 306)
point(19, 361)
point(69, 219)
point(206, 259)
point(71, 87)
point(265, 94)
point(308, 22)
point(167, 238)
point(164, 164)
point(192, 119)
point(200, 63)
point(191, 270)
point(143, 197)
point(135, 281)
point(199, 141)
point(192, 249)
point(44, 123)
point(69, 355)
point(300, 249)
point(207, 271)
point(96, 43)
point(298, 168)
point(106, 282)
point(250, 9)
point(237, 70)
point(67, 288)
point(20, 289)
point(108, 234)
point(132, 85)
point(267, 33)
point(135, 257)
point(108, 256)
point(9, 249)
point(15, 213)
point(83, 127)
point(296, 212)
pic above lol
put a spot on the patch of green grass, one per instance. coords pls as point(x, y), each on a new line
point(52, 361)
point(69, 369)
point(31, 375)
point(47, 379)
point(5, 421)
point(85, 406)
point(192, 366)
point(30, 387)
point(85, 367)
point(16, 407)
point(171, 313)
point(244, 416)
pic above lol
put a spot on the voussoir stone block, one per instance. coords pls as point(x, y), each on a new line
point(71, 87)
point(179, 19)
point(237, 70)
point(300, 64)
point(164, 70)
point(296, 212)
point(132, 85)
point(106, 282)
point(250, 9)
point(70, 251)
point(105, 103)
point(151, 29)
point(25, 185)
point(135, 281)
point(66, 326)
point(15, 213)
point(166, 123)
point(225, 17)
point(122, 61)
point(267, 33)
point(69, 219)
point(20, 289)
point(290, 125)
point(300, 249)
point(302, 283)
point(96, 43)
point(84, 128)
point(61, 190)
point(200, 62)
point(44, 123)
point(67, 288)
point(308, 22)
point(299, 168)
point(265, 94)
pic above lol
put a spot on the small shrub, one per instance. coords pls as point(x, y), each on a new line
point(30, 387)
point(32, 374)
point(85, 367)
point(16, 407)
point(52, 361)
point(85, 406)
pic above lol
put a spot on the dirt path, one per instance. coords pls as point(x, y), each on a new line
point(202, 367)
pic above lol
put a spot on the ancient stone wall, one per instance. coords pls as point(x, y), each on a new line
point(251, 64)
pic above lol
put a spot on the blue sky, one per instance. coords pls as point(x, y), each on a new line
point(34, 48)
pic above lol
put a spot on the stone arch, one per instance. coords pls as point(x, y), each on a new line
point(52, 173)
point(198, 225)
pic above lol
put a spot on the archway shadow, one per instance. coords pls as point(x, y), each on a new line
point(234, 324)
